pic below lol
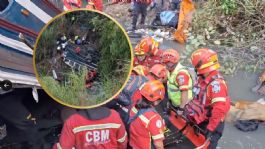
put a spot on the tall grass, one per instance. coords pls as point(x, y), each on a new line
point(73, 93)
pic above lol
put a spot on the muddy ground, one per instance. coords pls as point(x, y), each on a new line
point(239, 84)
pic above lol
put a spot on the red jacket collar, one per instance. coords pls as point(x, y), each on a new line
point(209, 77)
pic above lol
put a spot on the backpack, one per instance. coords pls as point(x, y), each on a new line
point(195, 109)
point(132, 85)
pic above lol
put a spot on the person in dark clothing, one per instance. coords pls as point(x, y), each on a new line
point(168, 17)
point(14, 112)
point(139, 8)
point(175, 4)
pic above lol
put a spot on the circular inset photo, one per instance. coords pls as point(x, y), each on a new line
point(82, 58)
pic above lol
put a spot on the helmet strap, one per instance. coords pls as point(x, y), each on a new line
point(143, 103)
point(141, 57)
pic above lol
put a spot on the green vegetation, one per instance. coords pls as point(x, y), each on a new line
point(113, 67)
point(235, 28)
point(113, 64)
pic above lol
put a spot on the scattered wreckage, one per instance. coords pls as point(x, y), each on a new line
point(77, 56)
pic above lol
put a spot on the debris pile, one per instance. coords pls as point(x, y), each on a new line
point(247, 115)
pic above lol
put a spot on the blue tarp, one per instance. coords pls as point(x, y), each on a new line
point(169, 18)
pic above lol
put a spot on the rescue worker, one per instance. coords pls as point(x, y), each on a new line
point(140, 70)
point(78, 40)
point(61, 42)
point(179, 84)
point(146, 127)
point(77, 50)
point(139, 7)
point(158, 72)
point(147, 53)
point(98, 4)
point(90, 78)
point(95, 5)
point(212, 92)
point(129, 96)
point(71, 4)
point(91, 4)
point(15, 113)
point(93, 128)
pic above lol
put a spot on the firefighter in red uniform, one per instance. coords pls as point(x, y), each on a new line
point(140, 70)
point(91, 5)
point(72, 4)
point(147, 53)
point(97, 4)
point(146, 127)
point(212, 92)
point(90, 78)
point(158, 72)
point(93, 128)
point(131, 94)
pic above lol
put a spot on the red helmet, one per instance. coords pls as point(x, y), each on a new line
point(170, 55)
point(205, 60)
point(153, 90)
point(159, 70)
point(141, 70)
point(146, 45)
point(68, 4)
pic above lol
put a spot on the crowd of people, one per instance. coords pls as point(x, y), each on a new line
point(131, 119)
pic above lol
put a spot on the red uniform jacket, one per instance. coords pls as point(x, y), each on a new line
point(149, 61)
point(216, 97)
point(146, 128)
point(98, 4)
point(82, 133)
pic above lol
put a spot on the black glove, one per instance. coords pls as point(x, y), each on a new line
point(208, 134)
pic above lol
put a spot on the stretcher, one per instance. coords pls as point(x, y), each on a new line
point(185, 131)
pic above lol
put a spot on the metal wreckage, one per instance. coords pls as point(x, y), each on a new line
point(78, 54)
